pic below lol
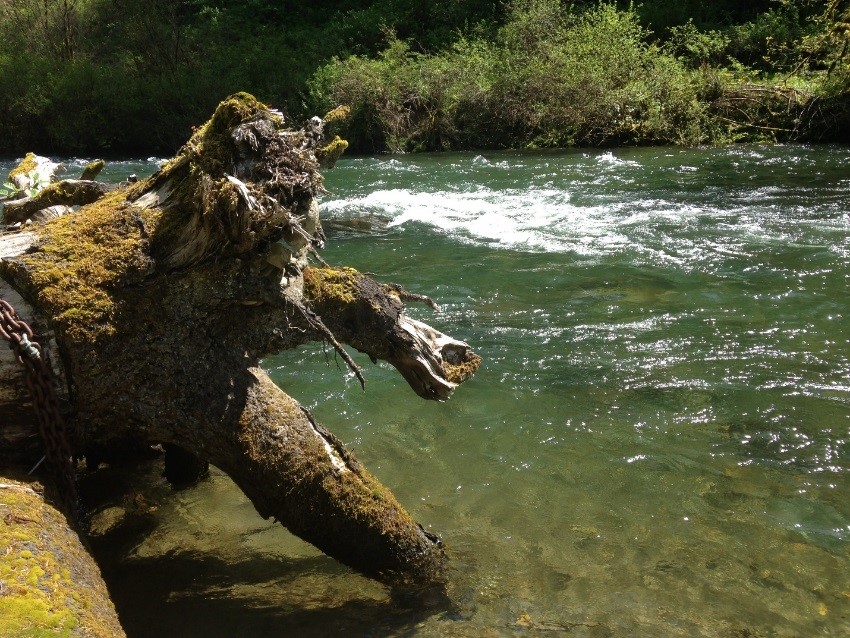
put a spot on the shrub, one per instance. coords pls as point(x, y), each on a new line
point(549, 78)
point(697, 48)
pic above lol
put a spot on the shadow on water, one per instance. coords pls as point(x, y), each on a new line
point(191, 581)
point(202, 595)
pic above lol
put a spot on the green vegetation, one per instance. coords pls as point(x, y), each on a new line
point(109, 77)
point(50, 587)
point(549, 77)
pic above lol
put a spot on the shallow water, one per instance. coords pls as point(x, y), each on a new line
point(656, 445)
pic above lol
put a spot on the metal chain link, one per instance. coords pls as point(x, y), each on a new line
point(51, 424)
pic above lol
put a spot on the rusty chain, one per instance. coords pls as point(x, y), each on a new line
point(51, 424)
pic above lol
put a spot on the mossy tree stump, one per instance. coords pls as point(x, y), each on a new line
point(163, 297)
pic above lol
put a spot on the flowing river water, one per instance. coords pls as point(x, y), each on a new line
point(656, 444)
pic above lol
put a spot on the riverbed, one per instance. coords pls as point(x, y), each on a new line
point(656, 443)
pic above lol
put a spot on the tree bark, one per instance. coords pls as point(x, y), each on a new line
point(164, 296)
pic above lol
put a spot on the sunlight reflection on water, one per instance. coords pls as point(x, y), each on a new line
point(656, 444)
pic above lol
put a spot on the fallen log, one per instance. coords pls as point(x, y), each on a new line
point(162, 297)
point(32, 172)
point(67, 193)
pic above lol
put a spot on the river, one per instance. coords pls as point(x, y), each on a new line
point(656, 444)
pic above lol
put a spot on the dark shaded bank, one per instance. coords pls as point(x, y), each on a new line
point(126, 78)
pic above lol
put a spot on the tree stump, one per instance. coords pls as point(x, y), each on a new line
point(157, 301)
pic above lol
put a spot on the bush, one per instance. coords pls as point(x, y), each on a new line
point(769, 41)
point(549, 78)
point(697, 48)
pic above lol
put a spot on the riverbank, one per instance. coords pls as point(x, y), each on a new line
point(119, 79)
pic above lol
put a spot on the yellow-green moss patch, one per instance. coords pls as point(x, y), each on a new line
point(28, 164)
point(332, 287)
point(331, 152)
point(339, 114)
point(460, 372)
point(93, 169)
point(81, 259)
point(212, 144)
point(49, 585)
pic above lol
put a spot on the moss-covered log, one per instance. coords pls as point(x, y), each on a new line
point(32, 172)
point(164, 296)
point(49, 584)
point(69, 192)
point(331, 499)
point(370, 317)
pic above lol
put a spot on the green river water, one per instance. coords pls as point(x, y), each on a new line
point(655, 445)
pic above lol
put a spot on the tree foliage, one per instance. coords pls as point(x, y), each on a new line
point(550, 77)
point(116, 76)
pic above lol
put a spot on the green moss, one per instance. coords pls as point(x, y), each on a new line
point(38, 597)
point(21, 618)
point(340, 114)
point(347, 513)
point(211, 144)
point(333, 293)
point(82, 259)
point(93, 169)
point(331, 152)
point(83, 263)
point(204, 212)
point(331, 287)
point(460, 372)
point(27, 165)
point(210, 150)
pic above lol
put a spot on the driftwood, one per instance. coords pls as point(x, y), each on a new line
point(162, 297)
point(64, 194)
point(32, 172)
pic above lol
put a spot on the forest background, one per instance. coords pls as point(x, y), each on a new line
point(124, 77)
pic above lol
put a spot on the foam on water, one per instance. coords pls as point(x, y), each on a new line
point(600, 206)
point(547, 220)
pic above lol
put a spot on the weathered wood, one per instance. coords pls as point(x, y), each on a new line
point(32, 171)
point(68, 192)
point(370, 317)
point(49, 584)
point(15, 244)
point(164, 296)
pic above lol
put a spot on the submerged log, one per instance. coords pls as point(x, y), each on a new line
point(164, 296)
